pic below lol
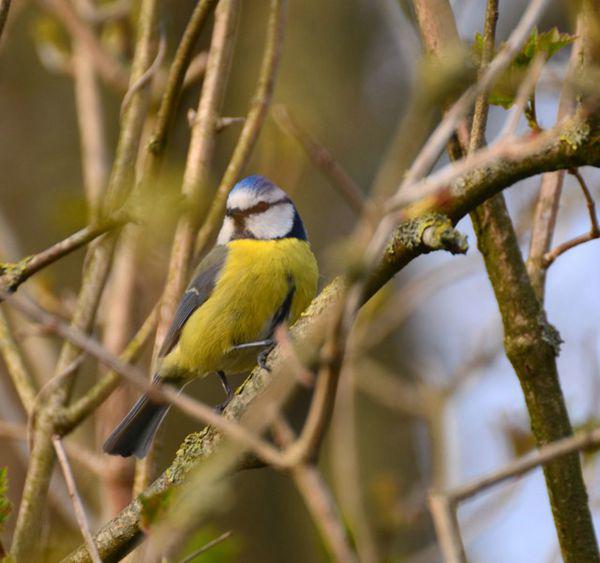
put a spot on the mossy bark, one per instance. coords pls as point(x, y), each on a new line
point(532, 345)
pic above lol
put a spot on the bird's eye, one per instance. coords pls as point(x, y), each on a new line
point(260, 207)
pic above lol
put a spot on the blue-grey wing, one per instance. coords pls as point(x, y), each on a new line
point(198, 291)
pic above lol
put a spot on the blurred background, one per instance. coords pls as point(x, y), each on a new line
point(346, 76)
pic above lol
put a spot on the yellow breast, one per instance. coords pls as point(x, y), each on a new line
point(253, 284)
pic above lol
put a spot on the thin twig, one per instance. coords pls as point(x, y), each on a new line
point(551, 256)
point(90, 118)
point(323, 160)
point(306, 448)
point(77, 504)
point(225, 122)
point(546, 208)
point(177, 74)
point(346, 465)
point(78, 411)
point(118, 312)
point(580, 441)
point(147, 76)
point(254, 121)
point(443, 511)
point(594, 232)
point(206, 547)
point(589, 201)
point(13, 275)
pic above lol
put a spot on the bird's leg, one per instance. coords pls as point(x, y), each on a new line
point(261, 358)
point(227, 388)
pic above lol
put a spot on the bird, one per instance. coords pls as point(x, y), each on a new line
point(260, 273)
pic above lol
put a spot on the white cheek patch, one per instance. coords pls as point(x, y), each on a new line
point(226, 231)
point(245, 198)
point(274, 223)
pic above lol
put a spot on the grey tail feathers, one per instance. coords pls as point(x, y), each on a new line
point(135, 432)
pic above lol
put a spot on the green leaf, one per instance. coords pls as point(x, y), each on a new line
point(548, 43)
point(553, 41)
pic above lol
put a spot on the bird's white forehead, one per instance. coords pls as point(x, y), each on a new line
point(244, 198)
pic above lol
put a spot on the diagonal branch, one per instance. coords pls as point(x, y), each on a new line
point(13, 275)
point(77, 504)
point(322, 158)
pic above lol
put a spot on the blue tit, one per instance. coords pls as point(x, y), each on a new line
point(260, 273)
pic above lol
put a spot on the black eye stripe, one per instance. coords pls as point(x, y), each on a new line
point(260, 207)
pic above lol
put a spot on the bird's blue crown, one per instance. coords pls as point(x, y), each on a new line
point(256, 194)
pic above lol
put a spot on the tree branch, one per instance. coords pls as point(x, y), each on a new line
point(15, 366)
point(71, 416)
point(318, 499)
point(175, 81)
point(12, 275)
point(546, 209)
point(77, 504)
point(323, 160)
point(4, 7)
